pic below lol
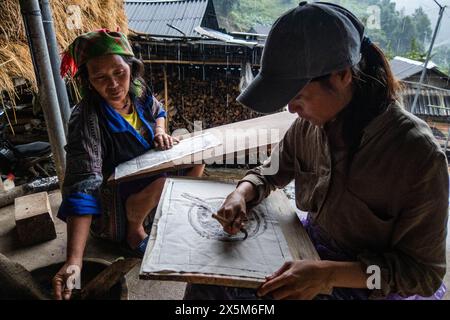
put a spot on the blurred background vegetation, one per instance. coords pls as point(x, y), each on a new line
point(407, 35)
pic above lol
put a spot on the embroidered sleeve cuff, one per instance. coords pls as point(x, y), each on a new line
point(79, 204)
point(161, 114)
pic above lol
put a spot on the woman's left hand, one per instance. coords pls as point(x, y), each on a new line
point(164, 141)
point(298, 280)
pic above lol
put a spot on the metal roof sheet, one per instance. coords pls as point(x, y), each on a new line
point(404, 68)
point(154, 17)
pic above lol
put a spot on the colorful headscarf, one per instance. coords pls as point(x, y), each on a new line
point(93, 44)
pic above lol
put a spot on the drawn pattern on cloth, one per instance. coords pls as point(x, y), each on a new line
point(154, 157)
point(189, 240)
point(201, 221)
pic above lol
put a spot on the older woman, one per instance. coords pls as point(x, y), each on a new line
point(117, 120)
point(371, 176)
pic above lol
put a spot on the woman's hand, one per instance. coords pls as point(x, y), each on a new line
point(66, 279)
point(233, 212)
point(299, 280)
point(163, 141)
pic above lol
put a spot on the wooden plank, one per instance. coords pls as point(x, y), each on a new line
point(106, 279)
point(299, 243)
point(205, 63)
point(201, 278)
point(240, 133)
point(296, 237)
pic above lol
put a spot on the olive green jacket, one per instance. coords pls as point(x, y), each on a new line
point(389, 207)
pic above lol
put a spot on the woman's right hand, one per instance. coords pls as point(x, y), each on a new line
point(233, 212)
point(66, 280)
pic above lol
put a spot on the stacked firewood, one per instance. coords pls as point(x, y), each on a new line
point(211, 101)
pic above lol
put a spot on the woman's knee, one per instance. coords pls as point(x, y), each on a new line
point(196, 171)
point(154, 187)
point(159, 185)
point(151, 192)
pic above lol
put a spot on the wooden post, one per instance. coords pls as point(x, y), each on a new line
point(166, 97)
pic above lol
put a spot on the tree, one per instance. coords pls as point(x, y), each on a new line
point(423, 26)
point(390, 17)
point(441, 56)
point(403, 35)
point(415, 52)
point(224, 7)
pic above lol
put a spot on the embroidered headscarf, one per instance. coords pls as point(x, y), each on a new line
point(93, 44)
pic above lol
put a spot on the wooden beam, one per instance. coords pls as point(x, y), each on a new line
point(206, 63)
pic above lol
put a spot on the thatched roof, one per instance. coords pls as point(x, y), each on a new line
point(15, 60)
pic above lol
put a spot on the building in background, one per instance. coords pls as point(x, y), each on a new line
point(433, 104)
point(196, 67)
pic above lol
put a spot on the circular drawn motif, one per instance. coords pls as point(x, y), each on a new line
point(209, 228)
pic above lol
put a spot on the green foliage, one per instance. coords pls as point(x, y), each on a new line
point(441, 56)
point(245, 14)
point(415, 53)
point(225, 6)
point(423, 25)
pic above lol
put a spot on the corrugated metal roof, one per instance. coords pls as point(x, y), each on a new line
point(404, 68)
point(153, 17)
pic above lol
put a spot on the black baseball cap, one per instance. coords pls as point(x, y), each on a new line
point(307, 42)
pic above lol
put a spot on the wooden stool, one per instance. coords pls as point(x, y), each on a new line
point(34, 220)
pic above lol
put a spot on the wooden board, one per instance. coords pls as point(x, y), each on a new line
point(296, 237)
point(232, 132)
